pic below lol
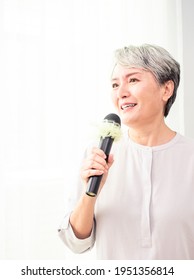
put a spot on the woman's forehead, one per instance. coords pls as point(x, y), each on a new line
point(120, 70)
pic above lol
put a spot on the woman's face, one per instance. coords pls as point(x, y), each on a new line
point(137, 96)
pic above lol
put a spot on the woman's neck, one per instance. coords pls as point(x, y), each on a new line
point(152, 135)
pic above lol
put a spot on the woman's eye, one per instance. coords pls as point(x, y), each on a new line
point(115, 85)
point(133, 80)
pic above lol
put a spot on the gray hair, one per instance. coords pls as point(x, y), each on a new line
point(154, 59)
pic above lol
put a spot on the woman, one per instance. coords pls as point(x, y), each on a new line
point(144, 209)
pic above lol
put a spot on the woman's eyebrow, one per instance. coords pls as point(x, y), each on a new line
point(127, 75)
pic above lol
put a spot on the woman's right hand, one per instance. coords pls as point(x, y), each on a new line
point(95, 164)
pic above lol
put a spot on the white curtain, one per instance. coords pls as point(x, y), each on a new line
point(55, 63)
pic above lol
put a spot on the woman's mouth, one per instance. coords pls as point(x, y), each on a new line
point(128, 105)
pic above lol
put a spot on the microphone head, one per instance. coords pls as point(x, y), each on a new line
point(113, 118)
point(110, 127)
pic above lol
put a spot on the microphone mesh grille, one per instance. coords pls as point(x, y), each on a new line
point(110, 127)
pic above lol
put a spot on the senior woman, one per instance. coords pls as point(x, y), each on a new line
point(144, 209)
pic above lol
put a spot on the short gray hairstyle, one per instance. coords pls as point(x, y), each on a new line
point(154, 59)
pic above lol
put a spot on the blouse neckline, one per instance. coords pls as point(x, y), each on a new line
point(154, 148)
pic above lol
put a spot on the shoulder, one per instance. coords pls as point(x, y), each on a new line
point(185, 141)
point(185, 146)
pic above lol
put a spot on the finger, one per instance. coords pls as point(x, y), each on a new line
point(86, 174)
point(95, 164)
point(96, 159)
point(97, 151)
point(110, 160)
point(93, 167)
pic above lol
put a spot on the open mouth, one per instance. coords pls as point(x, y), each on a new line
point(128, 105)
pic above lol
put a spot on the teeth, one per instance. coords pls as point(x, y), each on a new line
point(128, 105)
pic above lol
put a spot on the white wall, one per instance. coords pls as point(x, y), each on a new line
point(55, 65)
point(188, 59)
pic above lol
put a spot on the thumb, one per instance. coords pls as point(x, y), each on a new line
point(110, 160)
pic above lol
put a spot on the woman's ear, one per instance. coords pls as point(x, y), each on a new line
point(168, 90)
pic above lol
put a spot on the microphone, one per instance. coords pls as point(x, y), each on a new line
point(109, 131)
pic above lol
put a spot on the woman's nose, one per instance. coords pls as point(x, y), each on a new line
point(123, 91)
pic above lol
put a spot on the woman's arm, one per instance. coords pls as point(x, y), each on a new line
point(82, 217)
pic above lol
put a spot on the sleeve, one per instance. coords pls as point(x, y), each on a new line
point(65, 230)
point(75, 244)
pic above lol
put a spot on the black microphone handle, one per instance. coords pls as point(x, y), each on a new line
point(94, 181)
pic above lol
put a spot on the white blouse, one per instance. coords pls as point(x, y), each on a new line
point(145, 210)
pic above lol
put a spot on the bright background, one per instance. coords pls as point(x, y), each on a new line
point(55, 65)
